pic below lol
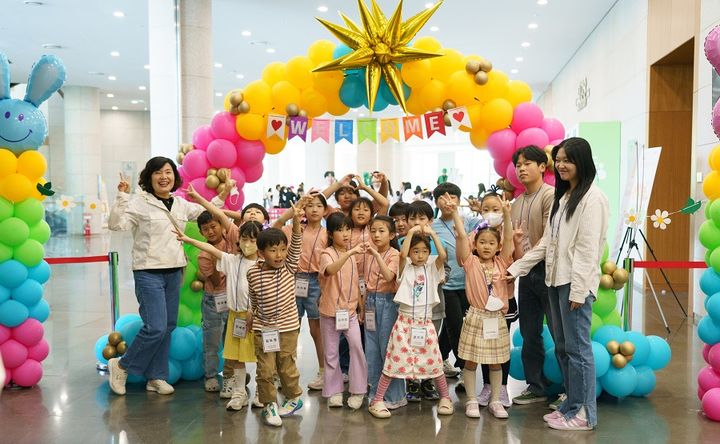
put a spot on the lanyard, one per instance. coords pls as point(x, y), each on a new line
point(449, 229)
point(522, 206)
point(313, 249)
point(352, 274)
point(277, 295)
point(426, 294)
point(237, 283)
point(556, 233)
point(377, 279)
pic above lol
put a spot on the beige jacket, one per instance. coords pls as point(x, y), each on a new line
point(154, 244)
point(572, 249)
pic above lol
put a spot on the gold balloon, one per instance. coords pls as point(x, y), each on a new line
point(629, 358)
point(211, 172)
point(619, 361)
point(223, 174)
point(180, 157)
point(613, 347)
point(221, 188)
point(114, 338)
point(292, 109)
point(609, 267)
point(121, 348)
point(472, 66)
point(486, 65)
point(448, 122)
point(198, 276)
point(627, 348)
point(109, 352)
point(196, 286)
point(302, 113)
point(186, 147)
point(212, 182)
point(618, 285)
point(234, 110)
point(448, 105)
point(621, 275)
point(236, 98)
point(606, 281)
point(481, 78)
point(243, 107)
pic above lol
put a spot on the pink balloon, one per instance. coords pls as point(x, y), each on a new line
point(714, 358)
point(199, 185)
point(39, 351)
point(716, 118)
point(712, 48)
point(223, 126)
point(202, 137)
point(8, 377)
point(501, 144)
point(183, 174)
point(706, 350)
point(518, 192)
point(511, 175)
point(5, 333)
point(254, 173)
point(700, 393)
point(196, 164)
point(182, 193)
point(500, 166)
point(556, 142)
point(28, 373)
point(29, 332)
point(532, 136)
point(249, 152)
point(235, 203)
point(239, 176)
point(13, 353)
point(707, 378)
point(221, 153)
point(553, 128)
point(526, 115)
point(549, 179)
point(711, 404)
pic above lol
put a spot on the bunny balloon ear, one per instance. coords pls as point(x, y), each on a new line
point(4, 77)
point(47, 76)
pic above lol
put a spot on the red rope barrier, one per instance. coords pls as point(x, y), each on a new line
point(670, 264)
point(76, 260)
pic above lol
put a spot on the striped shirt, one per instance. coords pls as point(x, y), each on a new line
point(272, 292)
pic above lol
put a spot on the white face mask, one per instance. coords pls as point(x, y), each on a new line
point(493, 219)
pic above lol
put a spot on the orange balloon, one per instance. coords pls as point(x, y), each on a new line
point(274, 145)
point(35, 194)
point(427, 44)
point(8, 162)
point(416, 74)
point(328, 82)
point(313, 102)
point(475, 113)
point(298, 71)
point(321, 51)
point(711, 185)
point(433, 94)
point(284, 93)
point(478, 137)
point(336, 107)
point(496, 114)
point(518, 92)
point(16, 187)
point(250, 126)
point(461, 88)
point(443, 67)
point(414, 104)
point(496, 86)
point(274, 72)
point(31, 164)
point(258, 95)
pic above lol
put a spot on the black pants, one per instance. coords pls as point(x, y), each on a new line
point(456, 304)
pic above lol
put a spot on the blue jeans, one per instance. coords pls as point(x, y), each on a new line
point(309, 305)
point(533, 303)
point(376, 342)
point(213, 328)
point(158, 294)
point(571, 330)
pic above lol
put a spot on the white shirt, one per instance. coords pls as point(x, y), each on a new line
point(418, 288)
point(235, 267)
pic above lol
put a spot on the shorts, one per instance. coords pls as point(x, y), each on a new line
point(309, 304)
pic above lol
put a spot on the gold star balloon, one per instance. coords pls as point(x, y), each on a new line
point(378, 46)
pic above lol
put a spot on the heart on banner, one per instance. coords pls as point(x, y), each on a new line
point(458, 116)
point(276, 124)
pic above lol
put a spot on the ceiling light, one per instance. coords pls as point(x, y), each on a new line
point(218, 94)
point(112, 78)
point(142, 88)
point(542, 2)
point(532, 25)
point(134, 102)
point(118, 14)
point(51, 46)
point(218, 65)
point(322, 8)
point(115, 108)
point(146, 66)
point(519, 59)
point(514, 71)
point(30, 3)
point(115, 54)
point(109, 95)
point(270, 50)
point(246, 33)
point(146, 108)
point(240, 76)
point(429, 5)
point(525, 44)
point(434, 29)
point(96, 73)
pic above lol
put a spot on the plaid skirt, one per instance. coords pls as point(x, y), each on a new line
point(403, 361)
point(474, 348)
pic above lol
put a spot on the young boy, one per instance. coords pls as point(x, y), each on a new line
point(398, 211)
point(251, 212)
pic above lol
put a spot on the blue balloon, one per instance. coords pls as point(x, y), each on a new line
point(13, 313)
point(608, 333)
point(598, 388)
point(29, 293)
point(99, 346)
point(517, 370)
point(12, 273)
point(130, 330)
point(135, 379)
point(517, 339)
point(4, 294)
point(551, 367)
point(601, 358)
point(380, 102)
point(548, 342)
point(40, 311)
point(620, 382)
point(174, 371)
point(387, 94)
point(554, 389)
point(712, 305)
point(192, 369)
point(194, 328)
point(40, 273)
point(198, 340)
point(341, 50)
point(182, 344)
point(645, 381)
point(710, 282)
point(642, 347)
point(126, 319)
point(660, 352)
point(352, 92)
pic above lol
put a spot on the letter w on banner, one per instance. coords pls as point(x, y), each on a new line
point(434, 123)
point(276, 126)
point(459, 117)
point(412, 126)
point(298, 127)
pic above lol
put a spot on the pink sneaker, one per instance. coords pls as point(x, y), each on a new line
point(552, 416)
point(573, 424)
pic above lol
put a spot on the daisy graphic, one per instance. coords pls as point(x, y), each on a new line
point(92, 206)
point(632, 219)
point(67, 203)
point(660, 219)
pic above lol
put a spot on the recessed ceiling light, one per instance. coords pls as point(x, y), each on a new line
point(51, 46)
point(142, 88)
point(146, 108)
point(532, 25)
point(146, 66)
point(514, 71)
point(96, 73)
point(109, 95)
point(434, 29)
point(429, 5)
point(115, 108)
point(218, 65)
point(118, 14)
point(218, 94)
point(240, 76)
point(112, 78)
point(525, 44)
point(134, 102)
point(322, 8)
point(246, 33)
point(542, 2)
point(30, 3)
point(270, 50)
point(519, 59)
point(115, 53)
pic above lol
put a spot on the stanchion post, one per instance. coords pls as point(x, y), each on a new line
point(114, 289)
point(629, 266)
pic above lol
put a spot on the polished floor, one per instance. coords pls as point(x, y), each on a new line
point(73, 404)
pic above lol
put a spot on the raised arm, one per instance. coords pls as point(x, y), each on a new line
point(405, 248)
point(462, 244)
point(380, 202)
point(204, 246)
point(385, 271)
point(212, 208)
point(442, 254)
point(508, 244)
point(343, 257)
point(329, 191)
point(120, 219)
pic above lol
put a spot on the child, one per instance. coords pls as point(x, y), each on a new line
point(380, 310)
point(484, 338)
point(347, 190)
point(251, 212)
point(413, 350)
point(398, 213)
point(339, 301)
point(307, 286)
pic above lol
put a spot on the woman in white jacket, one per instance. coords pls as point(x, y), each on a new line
point(158, 261)
point(572, 246)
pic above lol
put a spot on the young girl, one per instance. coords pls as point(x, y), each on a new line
point(239, 340)
point(380, 310)
point(307, 286)
point(340, 309)
point(484, 338)
point(413, 351)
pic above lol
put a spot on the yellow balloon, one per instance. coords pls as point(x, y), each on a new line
point(328, 82)
point(226, 100)
point(427, 44)
point(497, 84)
point(711, 185)
point(416, 74)
point(313, 102)
point(250, 126)
point(461, 88)
point(273, 145)
point(336, 107)
point(8, 162)
point(496, 115)
point(35, 194)
point(433, 94)
point(414, 104)
point(283, 93)
point(714, 159)
point(274, 72)
point(298, 71)
point(478, 137)
point(31, 164)
point(16, 187)
point(475, 113)
point(321, 51)
point(443, 67)
point(518, 92)
point(258, 95)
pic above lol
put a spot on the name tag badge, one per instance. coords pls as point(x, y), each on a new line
point(418, 335)
point(301, 287)
point(526, 245)
point(221, 305)
point(370, 320)
point(363, 287)
point(239, 328)
point(271, 341)
point(342, 320)
point(491, 328)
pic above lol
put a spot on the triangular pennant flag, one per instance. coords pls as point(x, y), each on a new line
point(298, 127)
point(434, 123)
point(367, 130)
point(459, 117)
point(343, 130)
point(389, 129)
point(276, 126)
point(412, 126)
point(320, 130)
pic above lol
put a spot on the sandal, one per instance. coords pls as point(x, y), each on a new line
point(378, 410)
point(445, 407)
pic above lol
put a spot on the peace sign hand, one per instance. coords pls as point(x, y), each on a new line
point(124, 185)
point(518, 231)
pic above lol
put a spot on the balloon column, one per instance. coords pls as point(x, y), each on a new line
point(23, 230)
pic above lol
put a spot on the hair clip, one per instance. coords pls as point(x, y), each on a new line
point(266, 225)
point(494, 189)
point(483, 224)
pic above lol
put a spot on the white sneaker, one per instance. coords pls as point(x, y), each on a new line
point(317, 383)
point(270, 415)
point(497, 410)
point(484, 398)
point(471, 409)
point(238, 401)
point(395, 405)
point(226, 392)
point(160, 386)
point(118, 376)
point(449, 370)
point(211, 385)
point(256, 401)
point(335, 400)
point(504, 397)
point(355, 401)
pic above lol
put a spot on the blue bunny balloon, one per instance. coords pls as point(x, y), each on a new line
point(22, 125)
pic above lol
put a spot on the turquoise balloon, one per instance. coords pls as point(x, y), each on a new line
point(6, 209)
point(642, 348)
point(135, 379)
point(40, 311)
point(602, 359)
point(30, 210)
point(182, 344)
point(548, 342)
point(712, 305)
point(4, 294)
point(709, 235)
point(174, 371)
point(551, 367)
point(126, 319)
point(380, 102)
point(598, 388)
point(388, 95)
point(709, 330)
point(130, 330)
point(13, 231)
point(192, 369)
point(13, 313)
point(40, 272)
point(30, 253)
point(28, 293)
point(660, 353)
point(12, 273)
point(645, 381)
point(620, 382)
point(352, 92)
point(609, 333)
point(517, 370)
point(710, 282)
point(40, 232)
point(99, 346)
point(517, 339)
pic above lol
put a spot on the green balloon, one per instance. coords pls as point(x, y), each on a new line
point(605, 303)
point(30, 253)
point(13, 231)
point(30, 210)
point(189, 276)
point(715, 260)
point(709, 235)
point(713, 211)
point(185, 316)
point(708, 207)
point(192, 254)
point(40, 232)
point(613, 318)
point(6, 208)
point(190, 298)
point(192, 230)
point(595, 324)
point(707, 257)
point(6, 253)
point(197, 318)
point(606, 254)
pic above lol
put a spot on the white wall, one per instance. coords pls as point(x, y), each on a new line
point(125, 142)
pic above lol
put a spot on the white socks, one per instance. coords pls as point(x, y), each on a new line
point(495, 384)
point(469, 378)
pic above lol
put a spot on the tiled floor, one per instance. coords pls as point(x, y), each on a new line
point(73, 404)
